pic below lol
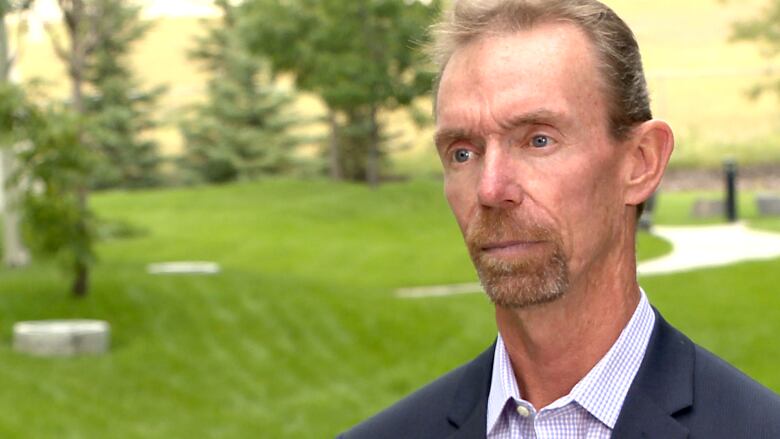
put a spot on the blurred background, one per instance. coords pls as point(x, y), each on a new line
point(280, 152)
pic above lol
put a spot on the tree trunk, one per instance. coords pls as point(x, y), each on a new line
point(77, 67)
point(81, 279)
point(15, 254)
point(334, 153)
point(5, 57)
point(373, 156)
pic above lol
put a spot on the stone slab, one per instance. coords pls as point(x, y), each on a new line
point(183, 267)
point(708, 208)
point(768, 205)
point(61, 337)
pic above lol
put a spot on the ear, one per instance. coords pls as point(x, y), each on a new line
point(649, 150)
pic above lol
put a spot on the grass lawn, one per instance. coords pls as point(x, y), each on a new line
point(299, 335)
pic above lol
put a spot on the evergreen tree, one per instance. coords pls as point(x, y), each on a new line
point(120, 108)
point(242, 130)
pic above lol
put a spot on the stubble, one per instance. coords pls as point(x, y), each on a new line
point(538, 277)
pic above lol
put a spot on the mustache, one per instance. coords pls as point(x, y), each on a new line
point(491, 226)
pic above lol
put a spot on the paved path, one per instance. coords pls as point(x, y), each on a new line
point(438, 290)
point(711, 246)
point(694, 247)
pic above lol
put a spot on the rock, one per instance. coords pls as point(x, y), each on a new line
point(61, 337)
point(708, 208)
point(768, 204)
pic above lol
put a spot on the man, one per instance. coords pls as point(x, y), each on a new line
point(549, 150)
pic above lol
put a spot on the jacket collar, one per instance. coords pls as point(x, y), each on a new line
point(468, 412)
point(662, 388)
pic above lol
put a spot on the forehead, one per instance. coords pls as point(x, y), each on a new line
point(551, 66)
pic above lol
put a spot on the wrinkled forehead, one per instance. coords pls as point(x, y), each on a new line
point(457, 45)
point(551, 66)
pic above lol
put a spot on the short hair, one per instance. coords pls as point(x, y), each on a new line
point(617, 51)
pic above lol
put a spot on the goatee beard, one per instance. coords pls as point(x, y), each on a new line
point(541, 276)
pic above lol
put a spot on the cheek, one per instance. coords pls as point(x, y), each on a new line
point(593, 207)
point(461, 201)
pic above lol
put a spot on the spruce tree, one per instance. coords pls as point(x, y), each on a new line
point(242, 130)
point(121, 110)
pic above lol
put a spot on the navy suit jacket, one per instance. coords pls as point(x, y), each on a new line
point(680, 391)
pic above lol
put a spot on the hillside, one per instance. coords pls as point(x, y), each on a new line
point(300, 335)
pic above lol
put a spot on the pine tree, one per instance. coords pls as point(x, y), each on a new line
point(120, 109)
point(242, 130)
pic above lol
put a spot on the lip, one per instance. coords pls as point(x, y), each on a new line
point(508, 245)
point(512, 251)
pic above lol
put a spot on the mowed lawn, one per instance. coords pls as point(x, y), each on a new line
point(300, 335)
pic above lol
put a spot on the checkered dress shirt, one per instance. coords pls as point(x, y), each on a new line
point(590, 410)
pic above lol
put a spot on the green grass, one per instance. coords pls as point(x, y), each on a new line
point(649, 246)
point(733, 311)
point(300, 335)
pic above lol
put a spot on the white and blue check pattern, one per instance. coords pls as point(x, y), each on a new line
point(592, 407)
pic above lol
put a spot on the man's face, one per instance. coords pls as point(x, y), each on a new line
point(531, 173)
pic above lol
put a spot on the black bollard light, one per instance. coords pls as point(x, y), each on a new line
point(730, 169)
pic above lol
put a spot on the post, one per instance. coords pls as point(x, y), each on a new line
point(730, 170)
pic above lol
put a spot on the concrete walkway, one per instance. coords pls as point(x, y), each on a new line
point(693, 247)
point(711, 246)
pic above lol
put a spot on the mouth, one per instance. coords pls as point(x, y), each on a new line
point(510, 248)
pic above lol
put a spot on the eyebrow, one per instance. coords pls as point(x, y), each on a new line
point(445, 136)
point(536, 117)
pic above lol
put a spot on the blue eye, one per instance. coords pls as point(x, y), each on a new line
point(540, 141)
point(461, 155)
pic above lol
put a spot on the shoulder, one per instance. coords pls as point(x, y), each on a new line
point(426, 412)
point(683, 390)
point(722, 401)
point(725, 398)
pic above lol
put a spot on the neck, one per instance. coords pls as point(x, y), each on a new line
point(553, 346)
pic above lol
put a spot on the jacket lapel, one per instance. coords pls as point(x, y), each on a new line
point(663, 387)
point(468, 412)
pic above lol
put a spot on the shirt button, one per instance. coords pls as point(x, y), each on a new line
point(523, 411)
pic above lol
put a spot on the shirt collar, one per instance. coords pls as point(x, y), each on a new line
point(503, 385)
point(602, 391)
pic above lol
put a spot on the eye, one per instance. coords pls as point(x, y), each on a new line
point(461, 155)
point(540, 141)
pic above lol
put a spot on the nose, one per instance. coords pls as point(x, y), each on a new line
point(499, 184)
